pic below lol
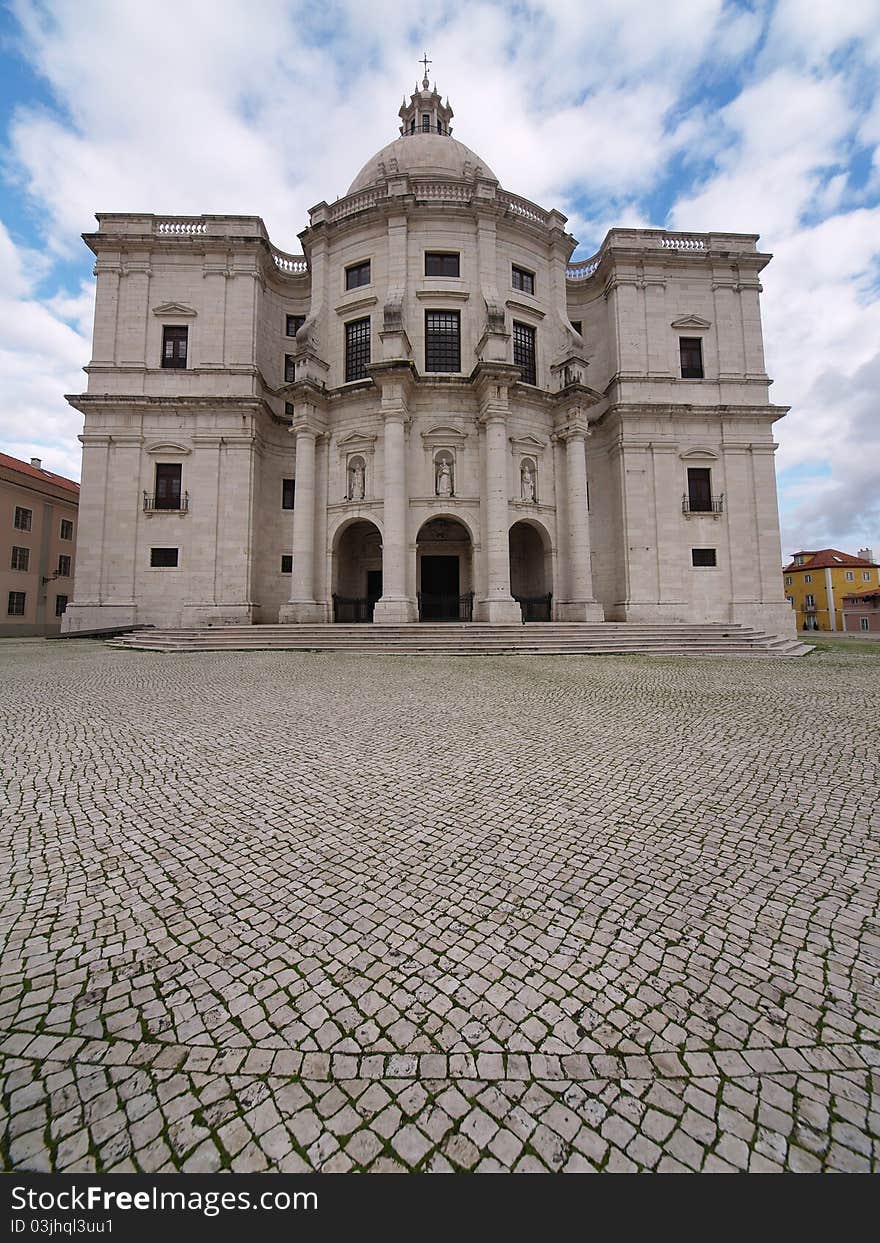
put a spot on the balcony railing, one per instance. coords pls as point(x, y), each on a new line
point(164, 504)
point(709, 505)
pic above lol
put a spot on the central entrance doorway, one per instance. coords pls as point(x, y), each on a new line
point(440, 589)
point(445, 589)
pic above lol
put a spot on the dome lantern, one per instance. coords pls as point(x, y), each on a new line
point(426, 112)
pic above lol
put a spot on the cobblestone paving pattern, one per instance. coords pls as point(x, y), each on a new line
point(281, 911)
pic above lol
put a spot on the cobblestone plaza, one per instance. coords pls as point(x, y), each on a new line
point(286, 911)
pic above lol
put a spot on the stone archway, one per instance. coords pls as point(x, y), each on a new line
point(357, 571)
point(531, 571)
point(444, 568)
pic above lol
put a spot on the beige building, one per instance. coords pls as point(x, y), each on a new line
point(429, 413)
point(38, 519)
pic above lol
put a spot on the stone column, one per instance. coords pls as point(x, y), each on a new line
point(394, 607)
point(497, 605)
point(580, 605)
point(302, 606)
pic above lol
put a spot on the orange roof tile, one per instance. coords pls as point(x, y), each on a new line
point(827, 558)
point(36, 472)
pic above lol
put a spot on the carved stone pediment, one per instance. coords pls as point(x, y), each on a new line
point(698, 452)
point(527, 444)
point(175, 308)
point(691, 321)
point(165, 447)
point(356, 442)
point(441, 435)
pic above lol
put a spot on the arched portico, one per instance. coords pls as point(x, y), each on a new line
point(357, 571)
point(444, 570)
point(531, 570)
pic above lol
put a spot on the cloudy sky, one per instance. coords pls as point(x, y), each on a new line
point(760, 116)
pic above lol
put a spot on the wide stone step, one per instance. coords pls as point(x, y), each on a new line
point(476, 639)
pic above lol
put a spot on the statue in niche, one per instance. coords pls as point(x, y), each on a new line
point(444, 478)
point(528, 482)
point(356, 485)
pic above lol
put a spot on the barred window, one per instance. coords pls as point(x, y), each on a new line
point(442, 341)
point(15, 607)
point(60, 605)
point(64, 566)
point(438, 263)
point(288, 491)
point(524, 352)
point(20, 558)
point(23, 518)
point(357, 349)
point(164, 558)
point(522, 278)
point(703, 556)
point(293, 323)
point(287, 563)
point(691, 351)
point(289, 369)
point(66, 528)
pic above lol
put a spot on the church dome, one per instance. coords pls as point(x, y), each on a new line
point(425, 147)
point(425, 155)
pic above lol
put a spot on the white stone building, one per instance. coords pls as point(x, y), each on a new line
point(429, 413)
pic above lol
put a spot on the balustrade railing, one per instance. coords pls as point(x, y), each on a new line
point(292, 264)
point(180, 228)
point(159, 504)
point(583, 270)
point(707, 505)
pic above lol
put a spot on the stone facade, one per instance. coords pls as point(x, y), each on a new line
point(38, 520)
point(554, 457)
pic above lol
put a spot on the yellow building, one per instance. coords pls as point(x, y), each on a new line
point(816, 583)
point(38, 527)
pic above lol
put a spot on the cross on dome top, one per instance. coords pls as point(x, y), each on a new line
point(425, 113)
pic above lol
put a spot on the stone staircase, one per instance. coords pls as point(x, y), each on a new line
point(476, 639)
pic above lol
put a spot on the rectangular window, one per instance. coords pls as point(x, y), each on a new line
point(703, 556)
point(691, 351)
point(288, 409)
point(439, 264)
point(288, 491)
point(850, 577)
point(809, 601)
point(866, 576)
point(20, 558)
point(15, 607)
point(442, 341)
point(66, 528)
point(358, 274)
point(865, 623)
point(524, 352)
point(164, 558)
point(64, 566)
point(23, 518)
point(168, 478)
point(808, 578)
point(286, 563)
point(576, 325)
point(788, 580)
point(426, 122)
point(699, 489)
point(292, 324)
point(522, 279)
point(357, 349)
point(60, 606)
point(174, 346)
point(289, 369)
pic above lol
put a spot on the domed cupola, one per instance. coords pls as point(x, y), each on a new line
point(425, 147)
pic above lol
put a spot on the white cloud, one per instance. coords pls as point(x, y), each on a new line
point(165, 108)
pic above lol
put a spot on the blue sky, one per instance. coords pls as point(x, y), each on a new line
point(760, 117)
